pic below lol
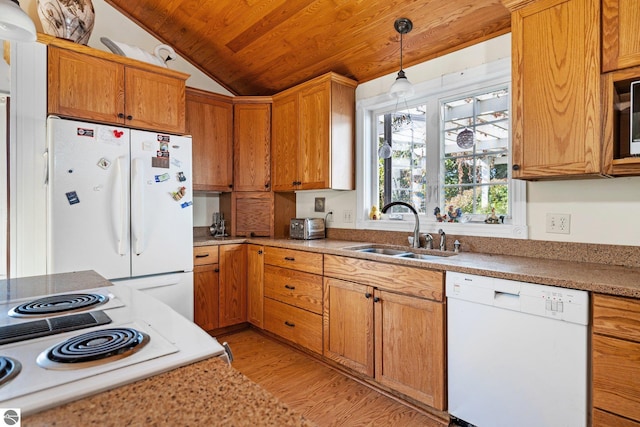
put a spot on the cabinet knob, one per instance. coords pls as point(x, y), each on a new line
point(267, 185)
point(289, 324)
point(515, 167)
point(259, 251)
point(230, 185)
point(129, 117)
point(376, 299)
point(217, 270)
point(367, 295)
point(121, 115)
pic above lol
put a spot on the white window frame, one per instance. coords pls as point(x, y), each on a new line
point(431, 92)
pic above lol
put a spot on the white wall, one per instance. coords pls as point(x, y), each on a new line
point(112, 24)
point(602, 211)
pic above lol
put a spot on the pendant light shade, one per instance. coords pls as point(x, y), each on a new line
point(402, 87)
point(15, 24)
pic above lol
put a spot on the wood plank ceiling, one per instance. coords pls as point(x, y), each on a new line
point(260, 47)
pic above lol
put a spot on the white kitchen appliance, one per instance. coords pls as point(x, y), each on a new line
point(67, 346)
point(119, 203)
point(517, 353)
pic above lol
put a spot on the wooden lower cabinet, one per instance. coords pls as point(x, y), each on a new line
point(410, 346)
point(205, 287)
point(205, 296)
point(616, 361)
point(348, 324)
point(605, 419)
point(294, 324)
point(233, 284)
point(255, 285)
point(397, 338)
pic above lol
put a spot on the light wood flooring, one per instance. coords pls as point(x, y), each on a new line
point(320, 393)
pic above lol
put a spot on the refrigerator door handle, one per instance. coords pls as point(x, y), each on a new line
point(137, 205)
point(45, 157)
point(119, 208)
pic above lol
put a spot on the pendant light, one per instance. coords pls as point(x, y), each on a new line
point(15, 24)
point(402, 87)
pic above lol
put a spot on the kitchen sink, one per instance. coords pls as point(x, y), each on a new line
point(385, 251)
point(400, 252)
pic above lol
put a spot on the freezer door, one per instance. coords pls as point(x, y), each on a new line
point(88, 198)
point(161, 203)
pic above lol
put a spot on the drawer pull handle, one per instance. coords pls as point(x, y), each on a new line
point(291, 325)
point(289, 258)
point(292, 288)
point(202, 255)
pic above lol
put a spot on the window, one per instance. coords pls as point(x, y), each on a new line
point(446, 149)
point(475, 167)
point(402, 151)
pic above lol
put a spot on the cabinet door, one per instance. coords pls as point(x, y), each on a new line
point(315, 132)
point(616, 382)
point(620, 35)
point(205, 295)
point(556, 86)
point(252, 147)
point(255, 285)
point(410, 347)
point(233, 284)
point(209, 121)
point(284, 146)
point(154, 101)
point(348, 324)
point(85, 87)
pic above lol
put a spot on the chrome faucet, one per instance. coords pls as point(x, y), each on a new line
point(416, 233)
point(428, 241)
point(443, 240)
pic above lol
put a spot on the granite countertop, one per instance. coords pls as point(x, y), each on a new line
point(589, 276)
point(206, 393)
point(28, 287)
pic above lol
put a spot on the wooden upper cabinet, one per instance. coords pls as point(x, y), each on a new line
point(209, 121)
point(313, 135)
point(284, 147)
point(556, 89)
point(95, 86)
point(252, 144)
point(154, 101)
point(85, 87)
point(620, 35)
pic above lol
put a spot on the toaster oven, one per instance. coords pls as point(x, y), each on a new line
point(306, 228)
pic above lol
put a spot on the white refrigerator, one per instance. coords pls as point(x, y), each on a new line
point(120, 203)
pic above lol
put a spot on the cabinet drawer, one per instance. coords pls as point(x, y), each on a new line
point(297, 260)
point(304, 290)
point(605, 419)
point(203, 255)
point(393, 277)
point(616, 376)
point(294, 324)
point(616, 316)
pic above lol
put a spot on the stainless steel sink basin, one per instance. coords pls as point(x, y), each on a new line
point(426, 256)
point(385, 251)
point(400, 252)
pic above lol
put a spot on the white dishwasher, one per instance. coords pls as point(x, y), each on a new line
point(517, 353)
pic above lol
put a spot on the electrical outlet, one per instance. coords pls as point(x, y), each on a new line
point(347, 216)
point(558, 223)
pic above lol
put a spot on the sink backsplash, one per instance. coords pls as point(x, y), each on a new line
point(628, 256)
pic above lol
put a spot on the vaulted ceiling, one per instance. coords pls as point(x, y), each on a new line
point(260, 47)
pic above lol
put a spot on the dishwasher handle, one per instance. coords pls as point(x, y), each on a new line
point(508, 300)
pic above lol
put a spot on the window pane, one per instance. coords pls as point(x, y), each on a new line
point(402, 153)
point(475, 163)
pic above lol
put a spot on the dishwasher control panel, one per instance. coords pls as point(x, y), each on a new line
point(565, 304)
